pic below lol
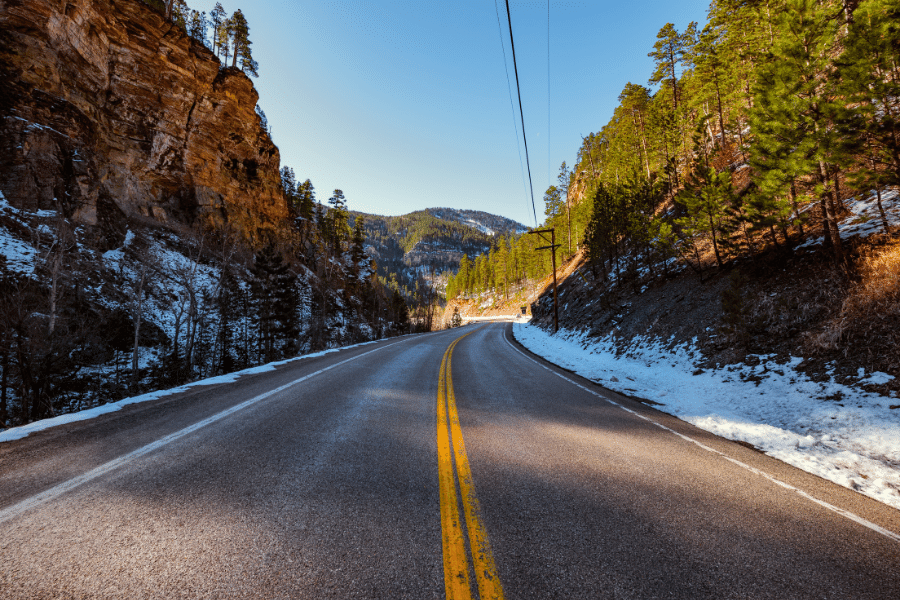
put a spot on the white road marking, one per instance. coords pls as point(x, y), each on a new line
point(62, 488)
point(844, 513)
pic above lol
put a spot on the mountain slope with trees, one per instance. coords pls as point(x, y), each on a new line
point(745, 195)
point(147, 236)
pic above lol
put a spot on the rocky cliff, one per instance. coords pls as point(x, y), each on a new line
point(107, 109)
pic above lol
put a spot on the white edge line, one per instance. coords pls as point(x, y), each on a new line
point(844, 513)
point(57, 490)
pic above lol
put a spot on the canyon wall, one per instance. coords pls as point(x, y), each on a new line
point(109, 110)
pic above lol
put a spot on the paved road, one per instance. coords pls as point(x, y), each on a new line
point(416, 468)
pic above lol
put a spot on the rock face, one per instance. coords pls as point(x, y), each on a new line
point(108, 109)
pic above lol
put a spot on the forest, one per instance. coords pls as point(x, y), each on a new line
point(92, 313)
point(749, 135)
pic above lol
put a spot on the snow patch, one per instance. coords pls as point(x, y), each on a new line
point(854, 442)
point(17, 433)
point(865, 218)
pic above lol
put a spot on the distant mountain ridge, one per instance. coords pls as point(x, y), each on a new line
point(431, 241)
point(487, 223)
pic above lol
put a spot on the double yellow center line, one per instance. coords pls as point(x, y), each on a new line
point(451, 449)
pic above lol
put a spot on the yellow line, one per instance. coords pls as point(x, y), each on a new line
point(489, 587)
point(456, 571)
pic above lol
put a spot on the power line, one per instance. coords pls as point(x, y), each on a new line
point(549, 159)
point(509, 89)
point(521, 114)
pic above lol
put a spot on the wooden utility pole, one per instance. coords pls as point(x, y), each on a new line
point(553, 246)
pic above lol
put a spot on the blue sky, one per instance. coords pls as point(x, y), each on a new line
point(404, 104)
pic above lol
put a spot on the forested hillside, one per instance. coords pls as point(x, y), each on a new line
point(137, 250)
point(765, 142)
point(422, 249)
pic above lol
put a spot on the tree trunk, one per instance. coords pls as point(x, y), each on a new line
point(138, 313)
point(4, 415)
point(712, 233)
point(828, 204)
point(884, 221)
point(794, 204)
point(719, 106)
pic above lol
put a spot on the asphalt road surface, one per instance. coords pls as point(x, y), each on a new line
point(423, 468)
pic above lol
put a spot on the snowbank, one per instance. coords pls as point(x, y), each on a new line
point(17, 433)
point(853, 440)
point(865, 218)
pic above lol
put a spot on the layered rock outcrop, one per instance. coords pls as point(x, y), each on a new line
point(106, 109)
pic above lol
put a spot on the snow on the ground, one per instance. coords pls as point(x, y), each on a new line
point(479, 226)
point(17, 433)
point(865, 218)
point(19, 255)
point(839, 432)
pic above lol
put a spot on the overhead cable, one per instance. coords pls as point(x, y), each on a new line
point(509, 89)
point(521, 114)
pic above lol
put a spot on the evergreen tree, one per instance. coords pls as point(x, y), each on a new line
point(274, 290)
point(869, 70)
point(712, 73)
point(553, 204)
point(240, 36)
point(227, 307)
point(217, 19)
point(289, 185)
point(307, 199)
point(197, 26)
point(226, 36)
point(797, 106)
point(180, 14)
point(338, 217)
point(263, 121)
point(357, 249)
point(707, 197)
point(668, 53)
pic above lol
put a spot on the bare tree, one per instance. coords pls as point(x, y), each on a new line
point(146, 269)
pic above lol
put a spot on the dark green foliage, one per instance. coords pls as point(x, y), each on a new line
point(197, 26)
point(274, 289)
point(239, 31)
point(798, 108)
point(733, 305)
point(668, 53)
point(217, 23)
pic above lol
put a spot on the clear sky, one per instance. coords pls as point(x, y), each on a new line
point(403, 104)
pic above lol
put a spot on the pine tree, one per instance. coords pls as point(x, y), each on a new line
point(358, 249)
point(180, 14)
point(197, 25)
point(707, 196)
point(307, 200)
point(216, 21)
point(226, 36)
point(338, 217)
point(712, 73)
point(553, 205)
point(668, 53)
point(226, 305)
point(797, 106)
point(289, 185)
point(869, 70)
point(241, 44)
point(274, 292)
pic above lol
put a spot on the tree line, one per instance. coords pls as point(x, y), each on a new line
point(746, 137)
point(166, 306)
point(772, 107)
point(130, 306)
point(227, 36)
